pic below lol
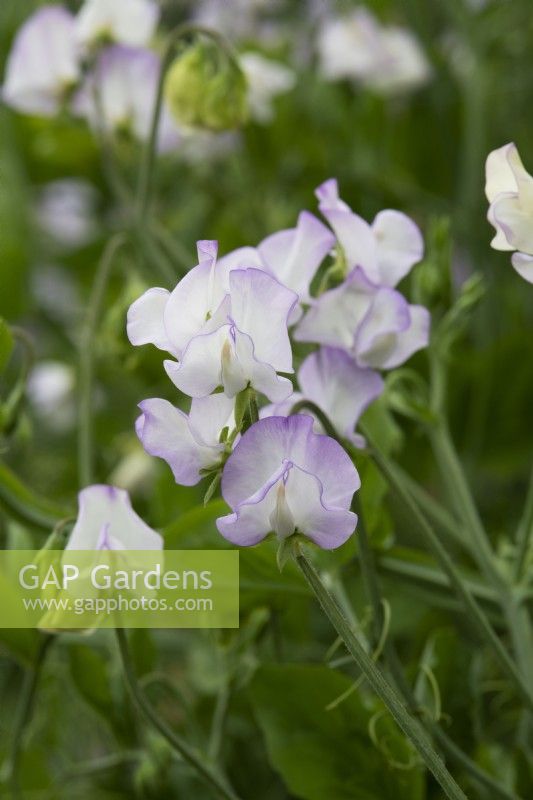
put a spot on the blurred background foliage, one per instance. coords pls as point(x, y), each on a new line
point(423, 153)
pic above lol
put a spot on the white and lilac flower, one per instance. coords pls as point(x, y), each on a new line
point(119, 95)
point(266, 80)
point(107, 521)
point(386, 59)
point(386, 250)
point(509, 190)
point(131, 22)
point(227, 327)
point(283, 477)
point(189, 444)
point(43, 66)
point(331, 380)
point(374, 324)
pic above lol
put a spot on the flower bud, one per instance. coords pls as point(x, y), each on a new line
point(206, 88)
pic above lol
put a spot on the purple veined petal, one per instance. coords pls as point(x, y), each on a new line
point(354, 234)
point(260, 307)
point(131, 22)
point(43, 62)
point(399, 245)
point(333, 319)
point(108, 508)
point(293, 256)
point(332, 380)
point(327, 527)
point(406, 343)
point(165, 432)
point(207, 250)
point(515, 219)
point(387, 316)
point(209, 416)
point(251, 521)
point(504, 172)
point(523, 264)
point(145, 320)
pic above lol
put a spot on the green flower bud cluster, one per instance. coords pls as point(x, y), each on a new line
point(206, 88)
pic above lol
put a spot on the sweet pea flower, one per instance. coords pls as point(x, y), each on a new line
point(374, 324)
point(106, 521)
point(386, 59)
point(331, 380)
point(120, 93)
point(283, 477)
point(130, 22)
point(509, 190)
point(266, 79)
point(386, 250)
point(42, 67)
point(227, 327)
point(190, 443)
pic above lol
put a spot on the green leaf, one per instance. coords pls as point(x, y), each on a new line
point(329, 754)
point(6, 344)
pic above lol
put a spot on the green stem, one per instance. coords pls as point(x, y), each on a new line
point(23, 504)
point(144, 187)
point(194, 759)
point(217, 726)
point(396, 707)
point(28, 693)
point(307, 405)
point(475, 614)
point(86, 359)
point(524, 533)
point(394, 666)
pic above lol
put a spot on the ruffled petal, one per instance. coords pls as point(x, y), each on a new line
point(327, 527)
point(387, 316)
point(209, 415)
point(503, 170)
point(523, 264)
point(404, 344)
point(510, 215)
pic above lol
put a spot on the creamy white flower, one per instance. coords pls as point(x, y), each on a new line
point(51, 393)
point(386, 59)
point(42, 67)
point(509, 190)
point(131, 22)
point(266, 79)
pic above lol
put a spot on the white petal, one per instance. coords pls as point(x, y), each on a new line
point(209, 415)
point(414, 338)
point(199, 372)
point(512, 216)
point(523, 264)
point(145, 320)
point(503, 170)
point(129, 22)
point(386, 317)
point(399, 245)
point(108, 508)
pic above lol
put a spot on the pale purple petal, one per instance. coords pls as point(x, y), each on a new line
point(331, 379)
point(165, 432)
point(106, 509)
point(404, 344)
point(355, 236)
point(43, 62)
point(387, 316)
point(283, 477)
point(293, 256)
point(145, 320)
point(399, 245)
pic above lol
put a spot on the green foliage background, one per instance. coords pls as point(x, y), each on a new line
point(424, 154)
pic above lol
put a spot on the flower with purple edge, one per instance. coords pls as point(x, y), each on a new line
point(130, 22)
point(189, 444)
point(107, 521)
point(42, 67)
point(374, 324)
point(283, 477)
point(509, 190)
point(226, 327)
point(119, 95)
point(386, 250)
